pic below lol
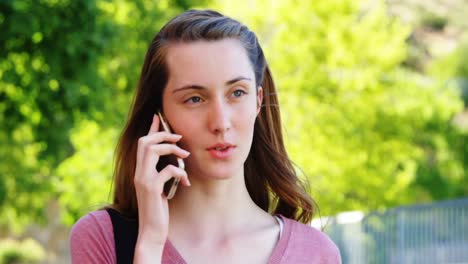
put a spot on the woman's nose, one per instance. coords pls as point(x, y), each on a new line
point(219, 117)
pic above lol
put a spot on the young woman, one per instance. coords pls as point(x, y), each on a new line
point(240, 200)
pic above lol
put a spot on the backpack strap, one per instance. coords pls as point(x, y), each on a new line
point(125, 236)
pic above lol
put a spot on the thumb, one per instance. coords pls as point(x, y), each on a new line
point(154, 125)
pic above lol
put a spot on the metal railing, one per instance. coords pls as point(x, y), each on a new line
point(429, 233)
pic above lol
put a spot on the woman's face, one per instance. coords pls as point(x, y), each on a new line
point(211, 100)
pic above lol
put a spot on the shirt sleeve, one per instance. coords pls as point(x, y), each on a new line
point(309, 245)
point(92, 239)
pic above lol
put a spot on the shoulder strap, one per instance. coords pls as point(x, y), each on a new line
point(125, 236)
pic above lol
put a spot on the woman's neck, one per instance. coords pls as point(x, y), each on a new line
point(212, 208)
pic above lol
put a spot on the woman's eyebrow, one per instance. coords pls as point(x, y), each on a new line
point(190, 86)
point(200, 87)
point(240, 78)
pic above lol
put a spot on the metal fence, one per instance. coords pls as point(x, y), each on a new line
point(430, 233)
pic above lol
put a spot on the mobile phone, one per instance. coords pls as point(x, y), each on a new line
point(170, 187)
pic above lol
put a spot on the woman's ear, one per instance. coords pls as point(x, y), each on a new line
point(259, 99)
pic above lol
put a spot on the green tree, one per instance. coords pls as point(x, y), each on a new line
point(360, 125)
point(49, 54)
point(68, 70)
point(449, 179)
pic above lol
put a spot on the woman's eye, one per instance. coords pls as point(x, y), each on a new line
point(193, 100)
point(238, 93)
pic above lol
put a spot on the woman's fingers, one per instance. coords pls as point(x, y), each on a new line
point(150, 147)
point(154, 125)
point(156, 184)
point(168, 149)
point(158, 137)
point(171, 171)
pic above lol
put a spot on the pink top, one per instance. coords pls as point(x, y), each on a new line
point(92, 241)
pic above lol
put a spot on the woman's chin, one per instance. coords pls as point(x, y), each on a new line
point(223, 172)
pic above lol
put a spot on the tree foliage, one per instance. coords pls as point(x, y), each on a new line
point(49, 55)
point(366, 131)
point(66, 66)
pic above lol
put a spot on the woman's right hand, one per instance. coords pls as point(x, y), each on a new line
point(153, 212)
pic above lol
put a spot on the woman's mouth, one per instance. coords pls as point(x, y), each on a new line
point(221, 150)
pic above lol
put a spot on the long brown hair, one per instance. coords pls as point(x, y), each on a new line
point(269, 174)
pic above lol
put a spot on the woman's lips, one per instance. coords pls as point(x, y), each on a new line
point(221, 153)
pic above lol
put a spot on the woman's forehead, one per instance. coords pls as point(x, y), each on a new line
point(207, 61)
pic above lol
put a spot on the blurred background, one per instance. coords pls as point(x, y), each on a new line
point(373, 97)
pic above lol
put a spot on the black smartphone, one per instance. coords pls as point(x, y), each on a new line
point(170, 187)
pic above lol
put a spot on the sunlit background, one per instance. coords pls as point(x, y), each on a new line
point(373, 97)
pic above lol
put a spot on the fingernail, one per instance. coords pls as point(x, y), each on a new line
point(188, 182)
